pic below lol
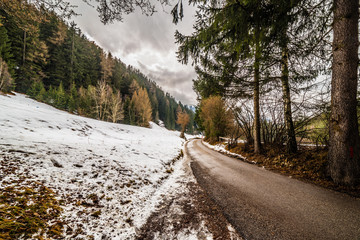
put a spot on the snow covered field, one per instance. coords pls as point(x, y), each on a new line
point(110, 177)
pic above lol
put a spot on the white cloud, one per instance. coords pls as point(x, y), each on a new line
point(146, 43)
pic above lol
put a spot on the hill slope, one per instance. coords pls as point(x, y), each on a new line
point(109, 177)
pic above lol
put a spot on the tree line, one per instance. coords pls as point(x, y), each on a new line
point(52, 61)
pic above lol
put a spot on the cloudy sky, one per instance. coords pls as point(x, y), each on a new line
point(146, 43)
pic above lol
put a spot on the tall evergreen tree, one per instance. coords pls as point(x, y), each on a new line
point(5, 44)
point(231, 34)
point(299, 31)
point(344, 149)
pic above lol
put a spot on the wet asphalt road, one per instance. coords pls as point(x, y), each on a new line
point(265, 205)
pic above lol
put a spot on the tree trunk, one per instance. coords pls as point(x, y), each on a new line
point(72, 58)
point(257, 139)
point(344, 166)
point(182, 134)
point(24, 48)
point(291, 145)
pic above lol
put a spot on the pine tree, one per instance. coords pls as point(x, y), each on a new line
point(86, 101)
point(228, 44)
point(134, 87)
point(72, 98)
point(35, 89)
point(60, 100)
point(5, 45)
point(6, 81)
point(41, 96)
point(22, 21)
point(107, 66)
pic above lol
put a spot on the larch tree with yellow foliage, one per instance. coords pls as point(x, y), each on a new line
point(142, 107)
point(217, 118)
point(183, 120)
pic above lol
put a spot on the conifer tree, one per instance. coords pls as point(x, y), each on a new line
point(73, 98)
point(5, 45)
point(41, 96)
point(298, 42)
point(86, 101)
point(30, 53)
point(107, 65)
point(60, 100)
point(134, 87)
point(35, 89)
point(228, 42)
point(344, 149)
point(6, 81)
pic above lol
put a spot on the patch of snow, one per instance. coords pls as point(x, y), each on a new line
point(232, 232)
point(161, 123)
point(119, 171)
point(221, 148)
point(195, 234)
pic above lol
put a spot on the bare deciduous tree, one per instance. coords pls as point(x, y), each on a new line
point(101, 94)
point(116, 112)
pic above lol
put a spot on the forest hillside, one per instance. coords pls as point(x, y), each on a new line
point(52, 61)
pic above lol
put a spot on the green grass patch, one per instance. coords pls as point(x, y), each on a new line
point(29, 210)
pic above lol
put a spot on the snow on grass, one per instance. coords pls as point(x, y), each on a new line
point(221, 148)
point(110, 177)
point(195, 234)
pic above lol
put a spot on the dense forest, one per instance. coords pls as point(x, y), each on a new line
point(52, 61)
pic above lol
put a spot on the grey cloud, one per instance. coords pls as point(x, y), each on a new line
point(147, 40)
point(130, 48)
point(184, 97)
point(177, 83)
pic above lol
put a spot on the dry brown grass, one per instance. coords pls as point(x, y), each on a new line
point(309, 164)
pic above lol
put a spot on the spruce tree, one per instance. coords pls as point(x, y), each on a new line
point(228, 42)
point(344, 149)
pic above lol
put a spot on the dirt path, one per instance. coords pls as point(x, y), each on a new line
point(187, 213)
point(265, 205)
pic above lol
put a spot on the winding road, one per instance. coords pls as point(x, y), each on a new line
point(264, 205)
